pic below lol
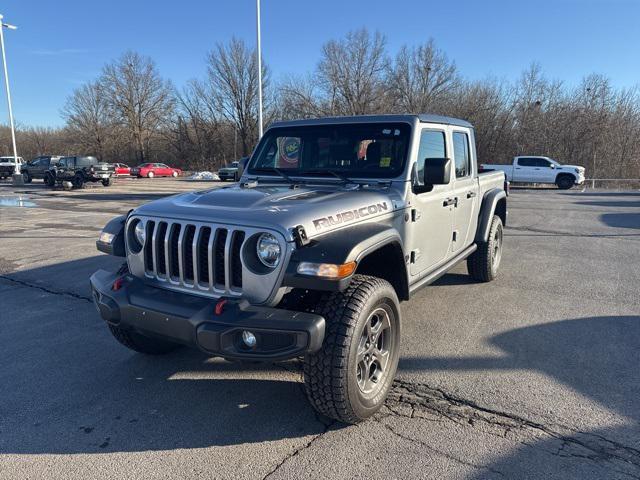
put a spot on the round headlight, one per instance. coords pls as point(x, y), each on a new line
point(268, 250)
point(140, 233)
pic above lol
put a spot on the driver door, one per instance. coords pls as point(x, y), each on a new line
point(432, 215)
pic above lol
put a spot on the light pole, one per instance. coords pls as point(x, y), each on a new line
point(17, 178)
point(259, 50)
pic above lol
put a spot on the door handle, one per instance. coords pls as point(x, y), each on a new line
point(471, 194)
point(450, 201)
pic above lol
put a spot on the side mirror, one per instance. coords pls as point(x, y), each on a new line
point(552, 165)
point(437, 171)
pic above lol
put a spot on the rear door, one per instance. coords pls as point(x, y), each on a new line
point(465, 189)
point(524, 170)
point(432, 215)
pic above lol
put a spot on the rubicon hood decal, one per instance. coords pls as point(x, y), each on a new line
point(349, 215)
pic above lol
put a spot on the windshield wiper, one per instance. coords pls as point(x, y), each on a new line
point(321, 171)
point(276, 171)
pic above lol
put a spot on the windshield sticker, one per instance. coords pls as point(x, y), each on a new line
point(289, 148)
point(349, 215)
point(385, 161)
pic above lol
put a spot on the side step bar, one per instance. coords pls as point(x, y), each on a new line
point(441, 270)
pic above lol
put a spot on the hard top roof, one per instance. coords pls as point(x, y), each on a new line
point(423, 117)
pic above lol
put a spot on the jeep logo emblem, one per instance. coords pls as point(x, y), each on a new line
point(349, 215)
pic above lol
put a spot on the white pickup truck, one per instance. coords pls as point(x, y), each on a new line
point(533, 169)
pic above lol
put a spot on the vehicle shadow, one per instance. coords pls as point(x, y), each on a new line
point(621, 220)
point(69, 387)
point(595, 356)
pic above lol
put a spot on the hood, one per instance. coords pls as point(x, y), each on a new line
point(319, 209)
point(570, 167)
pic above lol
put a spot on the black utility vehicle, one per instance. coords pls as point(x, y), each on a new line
point(38, 167)
point(80, 170)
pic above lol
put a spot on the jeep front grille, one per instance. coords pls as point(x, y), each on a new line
point(194, 256)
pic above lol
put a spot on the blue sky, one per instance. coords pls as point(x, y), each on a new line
point(59, 45)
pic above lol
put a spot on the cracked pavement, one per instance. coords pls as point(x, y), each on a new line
point(532, 376)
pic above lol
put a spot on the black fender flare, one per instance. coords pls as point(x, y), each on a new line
point(561, 174)
point(116, 228)
point(493, 202)
point(346, 245)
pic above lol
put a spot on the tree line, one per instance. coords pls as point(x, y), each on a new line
point(131, 114)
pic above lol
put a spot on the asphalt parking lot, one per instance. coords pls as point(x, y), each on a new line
point(532, 376)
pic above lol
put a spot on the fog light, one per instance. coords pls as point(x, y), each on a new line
point(249, 338)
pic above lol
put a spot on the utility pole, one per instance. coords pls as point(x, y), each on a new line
point(259, 51)
point(17, 177)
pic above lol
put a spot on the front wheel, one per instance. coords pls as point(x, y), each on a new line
point(565, 182)
point(484, 263)
point(174, 174)
point(49, 180)
point(27, 177)
point(350, 377)
point(107, 182)
point(150, 175)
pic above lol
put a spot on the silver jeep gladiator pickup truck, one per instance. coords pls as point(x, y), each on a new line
point(333, 223)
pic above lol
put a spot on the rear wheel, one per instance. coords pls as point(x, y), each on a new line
point(484, 263)
point(78, 180)
point(107, 182)
point(350, 377)
point(150, 175)
point(27, 177)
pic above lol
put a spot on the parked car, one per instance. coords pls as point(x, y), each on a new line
point(535, 169)
point(383, 205)
point(38, 167)
point(151, 170)
point(230, 172)
point(122, 169)
point(7, 165)
point(80, 170)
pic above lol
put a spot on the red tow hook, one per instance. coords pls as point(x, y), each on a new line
point(220, 306)
point(117, 284)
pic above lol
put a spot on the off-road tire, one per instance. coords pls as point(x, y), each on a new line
point(483, 264)
point(140, 343)
point(49, 180)
point(107, 182)
point(565, 182)
point(331, 374)
point(27, 177)
point(77, 181)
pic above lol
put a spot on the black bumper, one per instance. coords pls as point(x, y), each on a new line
point(192, 320)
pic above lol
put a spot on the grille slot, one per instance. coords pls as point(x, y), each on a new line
point(236, 261)
point(203, 255)
point(205, 258)
point(148, 246)
point(187, 251)
point(174, 257)
point(219, 264)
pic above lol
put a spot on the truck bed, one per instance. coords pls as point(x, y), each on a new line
point(491, 179)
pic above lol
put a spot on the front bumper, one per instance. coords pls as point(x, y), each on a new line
point(191, 320)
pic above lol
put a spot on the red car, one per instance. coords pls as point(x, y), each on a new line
point(122, 169)
point(151, 170)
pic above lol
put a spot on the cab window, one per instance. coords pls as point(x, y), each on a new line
point(461, 154)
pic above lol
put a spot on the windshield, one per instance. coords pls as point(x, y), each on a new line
point(366, 150)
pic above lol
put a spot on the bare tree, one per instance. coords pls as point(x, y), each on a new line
point(138, 98)
point(351, 73)
point(420, 77)
point(233, 84)
point(87, 115)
